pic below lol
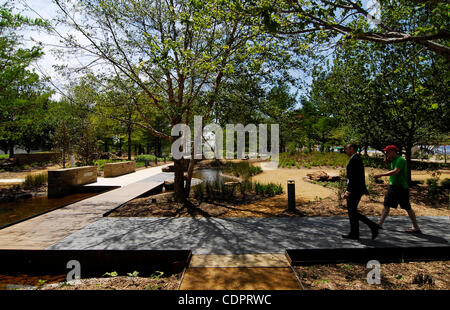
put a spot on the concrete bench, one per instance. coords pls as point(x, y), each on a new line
point(111, 170)
point(62, 181)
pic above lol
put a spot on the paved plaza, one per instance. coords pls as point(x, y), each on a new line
point(249, 235)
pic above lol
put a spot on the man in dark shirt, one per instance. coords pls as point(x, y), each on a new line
point(356, 187)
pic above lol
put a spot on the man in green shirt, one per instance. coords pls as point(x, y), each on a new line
point(398, 191)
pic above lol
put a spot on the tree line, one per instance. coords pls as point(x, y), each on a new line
point(155, 64)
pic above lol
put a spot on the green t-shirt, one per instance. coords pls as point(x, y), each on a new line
point(400, 178)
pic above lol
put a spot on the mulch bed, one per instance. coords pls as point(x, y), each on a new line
point(170, 282)
point(394, 276)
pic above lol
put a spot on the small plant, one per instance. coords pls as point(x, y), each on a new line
point(152, 287)
point(41, 282)
point(111, 274)
point(347, 267)
point(157, 275)
point(398, 276)
point(133, 274)
point(65, 284)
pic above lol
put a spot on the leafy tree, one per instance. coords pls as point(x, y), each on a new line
point(424, 23)
point(63, 140)
point(23, 94)
point(387, 94)
point(176, 52)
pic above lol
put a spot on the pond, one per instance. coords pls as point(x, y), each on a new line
point(211, 175)
point(19, 210)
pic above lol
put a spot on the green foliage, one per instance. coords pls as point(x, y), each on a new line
point(434, 190)
point(270, 189)
point(149, 158)
point(157, 275)
point(41, 282)
point(243, 169)
point(133, 274)
point(313, 159)
point(35, 180)
point(445, 184)
point(111, 274)
point(334, 159)
point(86, 147)
point(23, 94)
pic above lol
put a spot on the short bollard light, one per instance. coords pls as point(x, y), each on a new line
point(291, 195)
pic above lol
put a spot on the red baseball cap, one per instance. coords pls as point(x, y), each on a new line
point(390, 148)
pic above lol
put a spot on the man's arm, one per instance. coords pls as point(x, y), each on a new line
point(387, 174)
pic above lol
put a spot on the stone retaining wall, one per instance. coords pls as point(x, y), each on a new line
point(61, 182)
point(23, 159)
point(116, 169)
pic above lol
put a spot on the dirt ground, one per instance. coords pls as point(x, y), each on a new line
point(394, 276)
point(311, 200)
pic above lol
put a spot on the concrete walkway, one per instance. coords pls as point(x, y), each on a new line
point(44, 230)
point(249, 235)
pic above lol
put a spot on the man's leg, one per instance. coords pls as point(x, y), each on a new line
point(352, 206)
point(384, 214)
point(412, 216)
point(406, 205)
point(390, 200)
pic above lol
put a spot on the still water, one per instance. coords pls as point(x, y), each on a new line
point(210, 175)
point(11, 212)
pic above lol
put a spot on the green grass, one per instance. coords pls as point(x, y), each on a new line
point(4, 156)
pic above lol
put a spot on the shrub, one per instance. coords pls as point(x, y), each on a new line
point(35, 180)
point(148, 157)
point(270, 189)
point(445, 183)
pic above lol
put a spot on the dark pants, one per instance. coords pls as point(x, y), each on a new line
point(355, 216)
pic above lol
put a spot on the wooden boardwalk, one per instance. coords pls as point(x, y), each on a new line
point(42, 231)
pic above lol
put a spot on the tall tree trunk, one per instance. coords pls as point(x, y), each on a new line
point(129, 141)
point(179, 180)
point(445, 153)
point(408, 152)
point(11, 149)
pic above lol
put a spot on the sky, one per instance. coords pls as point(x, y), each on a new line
point(46, 9)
